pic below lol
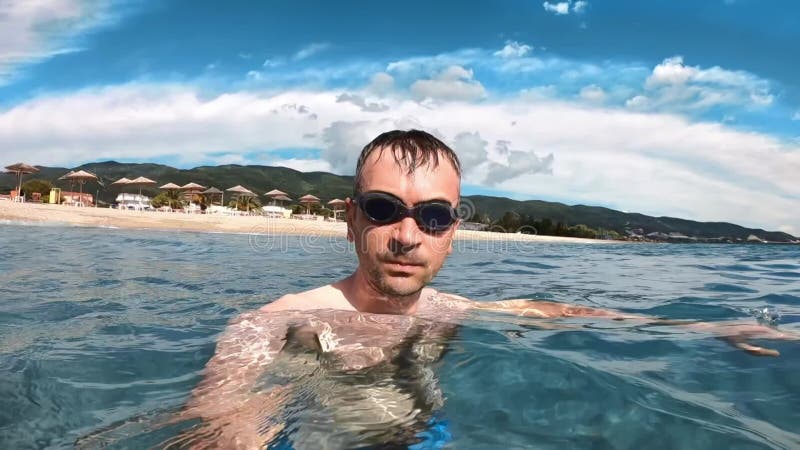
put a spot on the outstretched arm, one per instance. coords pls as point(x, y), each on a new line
point(544, 309)
point(735, 333)
point(234, 414)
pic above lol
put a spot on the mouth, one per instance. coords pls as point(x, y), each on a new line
point(402, 266)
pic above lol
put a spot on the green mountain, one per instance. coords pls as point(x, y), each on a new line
point(327, 186)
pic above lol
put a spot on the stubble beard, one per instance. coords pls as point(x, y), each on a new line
point(380, 281)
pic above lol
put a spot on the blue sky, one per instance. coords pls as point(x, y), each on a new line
point(678, 108)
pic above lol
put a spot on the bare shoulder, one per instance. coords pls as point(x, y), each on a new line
point(445, 300)
point(324, 297)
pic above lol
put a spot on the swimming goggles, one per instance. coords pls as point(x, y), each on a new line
point(382, 208)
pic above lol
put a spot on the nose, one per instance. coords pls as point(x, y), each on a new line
point(407, 235)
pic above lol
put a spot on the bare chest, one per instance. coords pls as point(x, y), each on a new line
point(354, 341)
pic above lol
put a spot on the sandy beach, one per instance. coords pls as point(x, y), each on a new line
point(112, 218)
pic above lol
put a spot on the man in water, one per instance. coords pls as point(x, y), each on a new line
point(381, 320)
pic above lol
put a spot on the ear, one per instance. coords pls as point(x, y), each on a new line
point(453, 230)
point(350, 217)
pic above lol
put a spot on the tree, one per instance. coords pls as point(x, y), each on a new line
point(510, 222)
point(37, 185)
point(169, 198)
point(245, 203)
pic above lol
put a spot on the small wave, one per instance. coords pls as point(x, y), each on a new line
point(31, 223)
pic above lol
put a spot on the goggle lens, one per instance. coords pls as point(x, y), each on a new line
point(384, 209)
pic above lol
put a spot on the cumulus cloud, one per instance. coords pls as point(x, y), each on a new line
point(343, 141)
point(579, 7)
point(311, 50)
point(32, 31)
point(593, 93)
point(513, 49)
point(226, 158)
point(302, 165)
point(637, 102)
point(560, 8)
point(673, 85)
point(362, 103)
point(518, 163)
point(381, 83)
point(471, 150)
point(453, 83)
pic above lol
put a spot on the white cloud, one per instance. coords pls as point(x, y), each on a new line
point(227, 158)
point(517, 163)
point(796, 116)
point(32, 31)
point(593, 93)
point(273, 62)
point(637, 102)
point(303, 165)
point(513, 49)
point(651, 163)
point(381, 83)
point(471, 149)
point(674, 85)
point(579, 7)
point(361, 102)
point(343, 141)
point(671, 71)
point(560, 8)
point(311, 50)
point(453, 83)
point(539, 93)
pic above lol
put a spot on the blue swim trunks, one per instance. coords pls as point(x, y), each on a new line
point(436, 436)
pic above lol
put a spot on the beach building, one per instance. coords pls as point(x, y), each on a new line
point(133, 201)
point(473, 226)
point(276, 212)
point(77, 198)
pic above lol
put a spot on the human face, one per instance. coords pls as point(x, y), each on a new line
point(399, 259)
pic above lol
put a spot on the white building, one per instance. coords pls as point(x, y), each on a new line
point(133, 201)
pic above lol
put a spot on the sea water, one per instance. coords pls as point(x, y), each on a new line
point(105, 332)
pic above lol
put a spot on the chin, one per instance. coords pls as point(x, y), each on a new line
point(400, 287)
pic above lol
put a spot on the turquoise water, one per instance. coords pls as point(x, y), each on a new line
point(104, 333)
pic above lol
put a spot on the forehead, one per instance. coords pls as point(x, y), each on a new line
point(382, 173)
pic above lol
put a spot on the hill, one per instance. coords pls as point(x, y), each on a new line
point(327, 186)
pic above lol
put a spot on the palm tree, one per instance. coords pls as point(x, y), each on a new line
point(245, 203)
point(171, 198)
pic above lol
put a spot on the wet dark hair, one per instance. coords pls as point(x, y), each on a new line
point(411, 150)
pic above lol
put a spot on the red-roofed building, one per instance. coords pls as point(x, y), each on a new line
point(70, 198)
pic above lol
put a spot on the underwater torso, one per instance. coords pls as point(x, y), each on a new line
point(359, 377)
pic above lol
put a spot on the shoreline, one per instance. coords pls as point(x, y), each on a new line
point(209, 223)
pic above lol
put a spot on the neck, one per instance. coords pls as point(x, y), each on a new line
point(366, 298)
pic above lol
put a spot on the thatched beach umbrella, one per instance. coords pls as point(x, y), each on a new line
point(122, 182)
point(141, 181)
point(81, 177)
point(214, 191)
point(190, 189)
point(274, 193)
point(277, 196)
point(242, 192)
point(20, 169)
point(281, 198)
point(170, 187)
point(308, 200)
point(337, 205)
